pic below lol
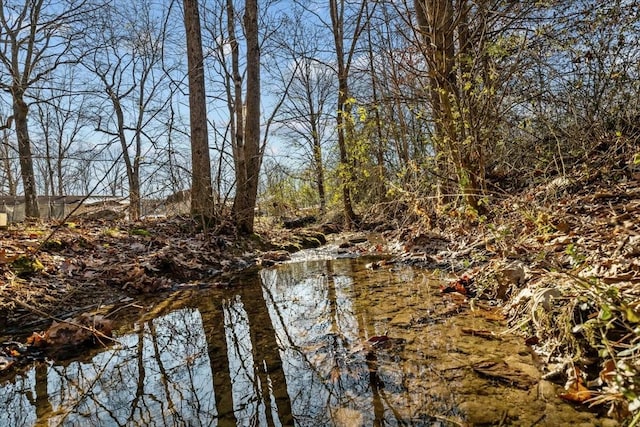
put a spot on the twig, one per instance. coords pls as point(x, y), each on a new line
point(473, 247)
point(122, 307)
point(536, 422)
point(48, 316)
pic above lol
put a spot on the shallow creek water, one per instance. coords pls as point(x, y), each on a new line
point(314, 342)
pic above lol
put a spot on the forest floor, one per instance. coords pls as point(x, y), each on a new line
point(563, 261)
point(561, 258)
point(52, 270)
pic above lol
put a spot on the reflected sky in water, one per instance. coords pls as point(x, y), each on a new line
point(284, 347)
point(287, 346)
point(159, 372)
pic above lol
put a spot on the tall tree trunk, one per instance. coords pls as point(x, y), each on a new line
point(131, 166)
point(346, 172)
point(236, 105)
point(380, 146)
point(337, 21)
point(319, 170)
point(314, 118)
point(59, 172)
point(20, 111)
point(202, 202)
point(10, 181)
point(438, 24)
point(249, 152)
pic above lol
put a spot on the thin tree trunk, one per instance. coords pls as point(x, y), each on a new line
point(6, 164)
point(319, 171)
point(20, 110)
point(345, 163)
point(250, 160)
point(131, 167)
point(236, 104)
point(59, 173)
point(318, 163)
point(202, 205)
point(346, 177)
point(380, 147)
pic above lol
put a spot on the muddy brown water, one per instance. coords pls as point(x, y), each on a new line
point(318, 341)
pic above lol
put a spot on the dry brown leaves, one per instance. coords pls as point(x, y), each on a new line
point(92, 262)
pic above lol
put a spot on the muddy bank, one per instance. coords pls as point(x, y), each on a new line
point(563, 261)
point(53, 271)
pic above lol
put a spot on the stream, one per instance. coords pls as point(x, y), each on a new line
point(318, 341)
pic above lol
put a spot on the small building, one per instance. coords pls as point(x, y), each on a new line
point(59, 207)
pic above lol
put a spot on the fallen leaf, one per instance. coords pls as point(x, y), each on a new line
point(6, 259)
point(608, 372)
point(576, 391)
point(378, 338)
point(631, 314)
point(84, 329)
point(461, 286)
point(36, 339)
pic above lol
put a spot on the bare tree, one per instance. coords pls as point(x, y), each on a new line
point(243, 106)
point(236, 45)
point(60, 121)
point(247, 151)
point(202, 205)
point(38, 37)
point(304, 119)
point(133, 91)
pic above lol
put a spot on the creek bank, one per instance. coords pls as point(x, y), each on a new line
point(51, 271)
point(564, 265)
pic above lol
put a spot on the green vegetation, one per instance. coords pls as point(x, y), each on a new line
point(511, 124)
point(25, 265)
point(139, 232)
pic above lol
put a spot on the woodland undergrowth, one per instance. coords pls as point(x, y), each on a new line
point(561, 256)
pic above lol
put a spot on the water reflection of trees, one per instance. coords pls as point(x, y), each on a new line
point(159, 375)
point(18, 400)
point(315, 319)
point(214, 363)
point(323, 313)
point(282, 348)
